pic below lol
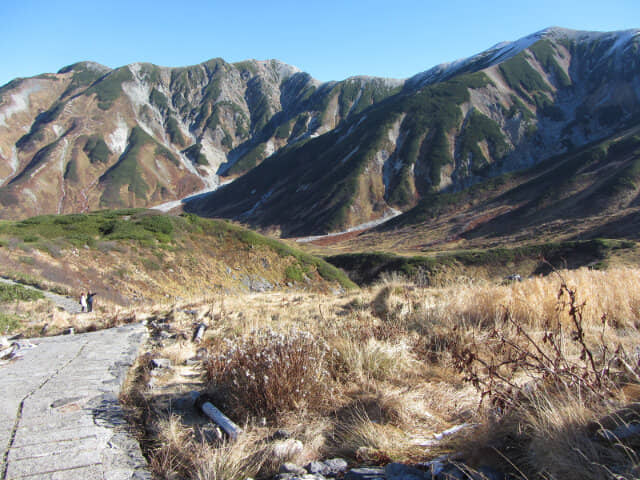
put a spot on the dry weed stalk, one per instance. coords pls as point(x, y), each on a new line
point(515, 354)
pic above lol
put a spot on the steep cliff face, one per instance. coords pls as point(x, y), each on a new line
point(90, 137)
point(506, 109)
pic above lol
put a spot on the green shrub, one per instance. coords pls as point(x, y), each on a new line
point(12, 293)
point(294, 273)
point(8, 323)
point(194, 153)
point(157, 224)
point(96, 149)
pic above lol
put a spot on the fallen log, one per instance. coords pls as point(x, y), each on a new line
point(206, 407)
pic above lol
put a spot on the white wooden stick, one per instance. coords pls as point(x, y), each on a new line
point(197, 338)
point(221, 419)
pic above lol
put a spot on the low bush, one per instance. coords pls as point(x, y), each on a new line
point(8, 323)
point(10, 293)
point(267, 372)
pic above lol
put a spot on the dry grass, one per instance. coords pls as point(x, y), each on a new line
point(379, 368)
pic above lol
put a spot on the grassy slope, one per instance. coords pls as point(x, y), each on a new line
point(139, 254)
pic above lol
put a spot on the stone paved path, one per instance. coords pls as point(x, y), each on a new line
point(71, 305)
point(59, 412)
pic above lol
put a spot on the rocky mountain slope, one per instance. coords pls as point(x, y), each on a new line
point(90, 137)
point(504, 110)
point(308, 157)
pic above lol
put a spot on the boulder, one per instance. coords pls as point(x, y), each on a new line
point(399, 471)
point(330, 467)
point(366, 473)
point(287, 449)
point(292, 468)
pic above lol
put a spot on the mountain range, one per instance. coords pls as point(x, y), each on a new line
point(533, 128)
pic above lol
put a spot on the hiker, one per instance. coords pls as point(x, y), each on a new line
point(83, 302)
point(90, 300)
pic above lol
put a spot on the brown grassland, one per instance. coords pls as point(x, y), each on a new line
point(542, 374)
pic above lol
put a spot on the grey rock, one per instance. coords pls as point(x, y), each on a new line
point(292, 468)
point(399, 471)
point(293, 476)
point(330, 467)
point(315, 467)
point(281, 434)
point(286, 449)
point(160, 363)
point(185, 402)
point(366, 473)
point(459, 471)
point(208, 434)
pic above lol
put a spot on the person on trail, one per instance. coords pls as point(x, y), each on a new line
point(90, 300)
point(83, 302)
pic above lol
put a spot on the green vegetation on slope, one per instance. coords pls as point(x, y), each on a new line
point(521, 76)
point(13, 293)
point(96, 149)
point(126, 171)
point(158, 99)
point(149, 228)
point(194, 154)
point(248, 160)
point(431, 114)
point(109, 88)
point(477, 128)
point(545, 54)
point(366, 268)
point(175, 133)
point(83, 76)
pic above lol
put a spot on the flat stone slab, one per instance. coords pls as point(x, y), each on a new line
point(60, 417)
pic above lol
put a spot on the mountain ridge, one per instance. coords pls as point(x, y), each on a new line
point(341, 153)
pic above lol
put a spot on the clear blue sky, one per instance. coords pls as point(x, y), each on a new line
point(330, 39)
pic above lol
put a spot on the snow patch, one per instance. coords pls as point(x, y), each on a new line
point(117, 140)
point(167, 206)
point(63, 154)
point(18, 101)
point(263, 199)
point(505, 50)
point(350, 154)
point(13, 164)
point(38, 170)
point(58, 130)
point(391, 213)
point(269, 148)
point(29, 193)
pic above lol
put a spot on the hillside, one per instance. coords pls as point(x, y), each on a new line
point(509, 108)
point(138, 257)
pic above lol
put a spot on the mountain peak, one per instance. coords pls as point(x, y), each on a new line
point(85, 65)
point(505, 50)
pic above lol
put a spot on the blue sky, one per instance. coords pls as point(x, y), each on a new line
point(329, 39)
